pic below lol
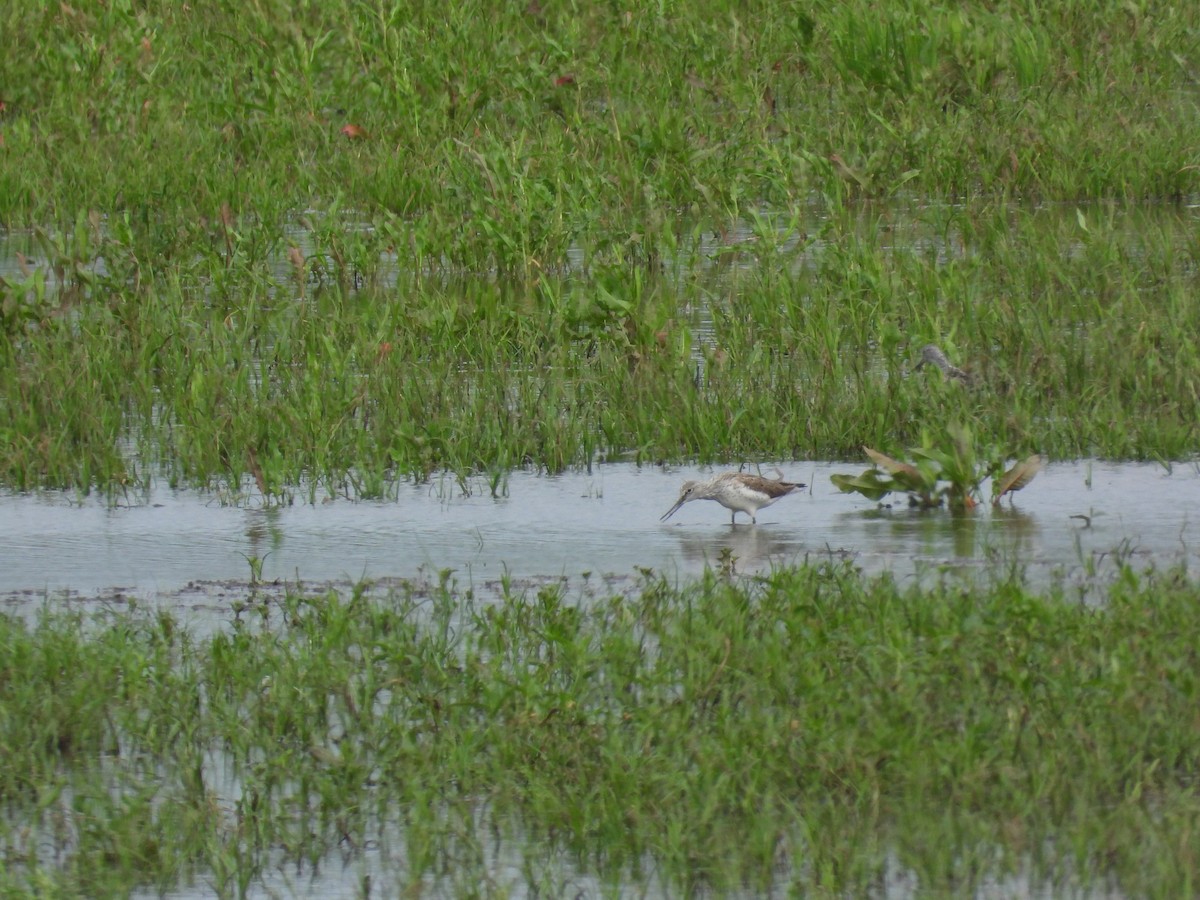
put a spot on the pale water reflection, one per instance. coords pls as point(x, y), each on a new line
point(1075, 520)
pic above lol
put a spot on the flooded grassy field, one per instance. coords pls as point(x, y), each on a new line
point(727, 735)
point(350, 356)
point(452, 689)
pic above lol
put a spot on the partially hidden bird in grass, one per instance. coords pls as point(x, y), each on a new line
point(737, 492)
point(933, 355)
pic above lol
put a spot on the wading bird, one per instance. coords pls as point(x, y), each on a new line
point(931, 354)
point(735, 491)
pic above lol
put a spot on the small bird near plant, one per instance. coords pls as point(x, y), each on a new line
point(1016, 478)
point(737, 492)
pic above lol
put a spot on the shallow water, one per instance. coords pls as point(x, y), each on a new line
point(600, 524)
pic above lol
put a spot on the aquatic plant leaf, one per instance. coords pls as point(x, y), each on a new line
point(868, 484)
point(932, 454)
point(930, 464)
point(1017, 477)
point(960, 434)
point(892, 466)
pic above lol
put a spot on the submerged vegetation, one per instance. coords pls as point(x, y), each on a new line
point(811, 730)
point(333, 245)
